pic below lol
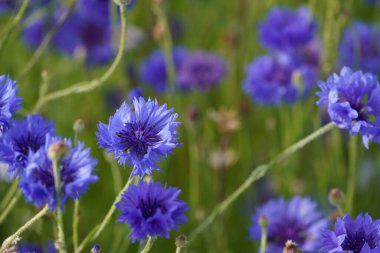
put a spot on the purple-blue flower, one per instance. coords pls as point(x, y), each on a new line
point(134, 93)
point(151, 210)
point(76, 173)
point(9, 102)
point(201, 71)
point(21, 140)
point(153, 69)
point(140, 134)
point(287, 30)
point(353, 103)
point(273, 80)
point(361, 235)
point(298, 220)
point(360, 47)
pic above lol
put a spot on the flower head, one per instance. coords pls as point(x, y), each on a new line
point(360, 47)
point(287, 30)
point(140, 134)
point(76, 173)
point(151, 210)
point(298, 220)
point(361, 235)
point(9, 102)
point(153, 70)
point(274, 80)
point(201, 71)
point(24, 138)
point(353, 103)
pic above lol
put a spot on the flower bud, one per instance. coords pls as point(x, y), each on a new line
point(336, 197)
point(78, 126)
point(96, 249)
point(58, 150)
point(181, 241)
point(263, 221)
point(291, 247)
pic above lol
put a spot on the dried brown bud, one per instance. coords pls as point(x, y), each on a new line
point(58, 150)
point(226, 120)
point(181, 241)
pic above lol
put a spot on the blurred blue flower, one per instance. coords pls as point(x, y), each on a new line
point(37, 184)
point(151, 210)
point(140, 134)
point(353, 103)
point(201, 71)
point(273, 80)
point(360, 48)
point(29, 248)
point(287, 30)
point(9, 102)
point(153, 69)
point(135, 93)
point(96, 249)
point(361, 235)
point(21, 140)
point(298, 220)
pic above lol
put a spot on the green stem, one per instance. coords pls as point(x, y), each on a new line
point(255, 175)
point(99, 229)
point(59, 217)
point(10, 240)
point(263, 241)
point(76, 217)
point(351, 183)
point(15, 21)
point(10, 193)
point(167, 46)
point(178, 250)
point(8, 209)
point(87, 86)
point(193, 164)
point(46, 40)
point(148, 245)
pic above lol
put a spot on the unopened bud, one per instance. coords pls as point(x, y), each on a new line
point(193, 113)
point(181, 241)
point(291, 247)
point(263, 221)
point(96, 249)
point(58, 245)
point(58, 150)
point(78, 125)
point(336, 197)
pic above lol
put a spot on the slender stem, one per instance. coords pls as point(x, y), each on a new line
point(95, 232)
point(87, 86)
point(10, 193)
point(148, 245)
point(59, 218)
point(255, 175)
point(46, 40)
point(15, 21)
point(76, 217)
point(167, 46)
point(10, 240)
point(351, 183)
point(8, 209)
point(263, 241)
point(115, 170)
point(178, 250)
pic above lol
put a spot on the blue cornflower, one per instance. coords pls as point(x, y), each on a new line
point(298, 220)
point(360, 47)
point(353, 103)
point(153, 69)
point(151, 210)
point(37, 183)
point(9, 102)
point(361, 235)
point(21, 140)
point(287, 30)
point(201, 71)
point(272, 80)
point(140, 134)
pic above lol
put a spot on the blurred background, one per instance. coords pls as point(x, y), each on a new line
point(223, 132)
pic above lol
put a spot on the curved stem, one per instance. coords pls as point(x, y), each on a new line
point(15, 21)
point(8, 209)
point(255, 175)
point(10, 193)
point(10, 240)
point(148, 245)
point(87, 86)
point(95, 232)
point(46, 40)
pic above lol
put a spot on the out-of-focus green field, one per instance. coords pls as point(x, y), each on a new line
point(228, 28)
